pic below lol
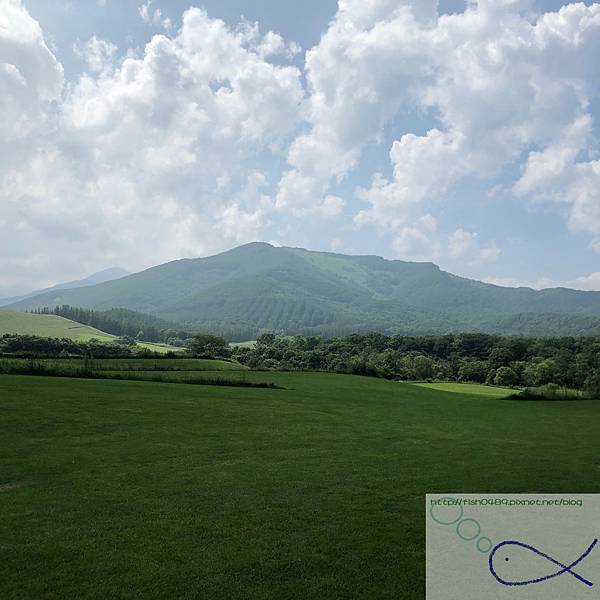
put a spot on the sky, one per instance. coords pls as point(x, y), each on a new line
point(460, 132)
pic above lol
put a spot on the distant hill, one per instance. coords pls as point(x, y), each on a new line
point(99, 277)
point(48, 326)
point(259, 287)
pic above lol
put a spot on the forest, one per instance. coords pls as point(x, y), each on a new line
point(496, 360)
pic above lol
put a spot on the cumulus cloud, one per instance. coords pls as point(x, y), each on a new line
point(498, 78)
point(143, 157)
point(30, 75)
point(558, 174)
point(195, 128)
point(465, 244)
point(99, 55)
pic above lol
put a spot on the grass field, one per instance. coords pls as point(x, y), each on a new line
point(469, 388)
point(123, 489)
point(58, 327)
point(48, 326)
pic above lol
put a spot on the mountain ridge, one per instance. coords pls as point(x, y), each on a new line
point(99, 277)
point(257, 287)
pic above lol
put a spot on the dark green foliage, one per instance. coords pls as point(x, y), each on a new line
point(552, 391)
point(530, 362)
point(209, 346)
point(31, 345)
point(506, 377)
point(256, 288)
point(592, 384)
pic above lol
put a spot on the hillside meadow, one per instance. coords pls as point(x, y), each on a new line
point(54, 326)
point(316, 490)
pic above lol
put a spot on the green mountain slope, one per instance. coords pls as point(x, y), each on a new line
point(257, 287)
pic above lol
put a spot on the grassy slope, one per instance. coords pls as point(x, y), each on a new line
point(58, 327)
point(127, 489)
point(48, 326)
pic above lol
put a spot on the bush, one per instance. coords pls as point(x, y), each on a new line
point(209, 346)
point(506, 377)
point(592, 385)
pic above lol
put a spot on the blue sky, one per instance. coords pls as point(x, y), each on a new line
point(138, 132)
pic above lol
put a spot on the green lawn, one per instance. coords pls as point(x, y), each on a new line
point(119, 489)
point(469, 388)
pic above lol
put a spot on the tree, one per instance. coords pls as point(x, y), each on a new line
point(204, 345)
point(473, 370)
point(266, 339)
point(423, 367)
point(592, 384)
point(540, 372)
point(500, 357)
point(506, 377)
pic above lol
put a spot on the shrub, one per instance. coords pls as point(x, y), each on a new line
point(506, 377)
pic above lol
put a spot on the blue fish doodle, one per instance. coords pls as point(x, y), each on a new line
point(562, 570)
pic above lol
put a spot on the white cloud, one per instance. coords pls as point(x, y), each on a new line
point(154, 17)
point(143, 157)
point(417, 240)
point(559, 175)
point(270, 44)
point(499, 79)
point(489, 254)
point(185, 127)
point(302, 195)
point(465, 244)
point(461, 242)
point(30, 75)
point(98, 54)
point(587, 283)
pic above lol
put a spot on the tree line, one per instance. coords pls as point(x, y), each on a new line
point(569, 362)
point(479, 358)
point(43, 347)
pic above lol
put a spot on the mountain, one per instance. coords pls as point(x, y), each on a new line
point(259, 287)
point(99, 277)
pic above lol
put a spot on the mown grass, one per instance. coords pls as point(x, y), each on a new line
point(469, 388)
point(122, 489)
